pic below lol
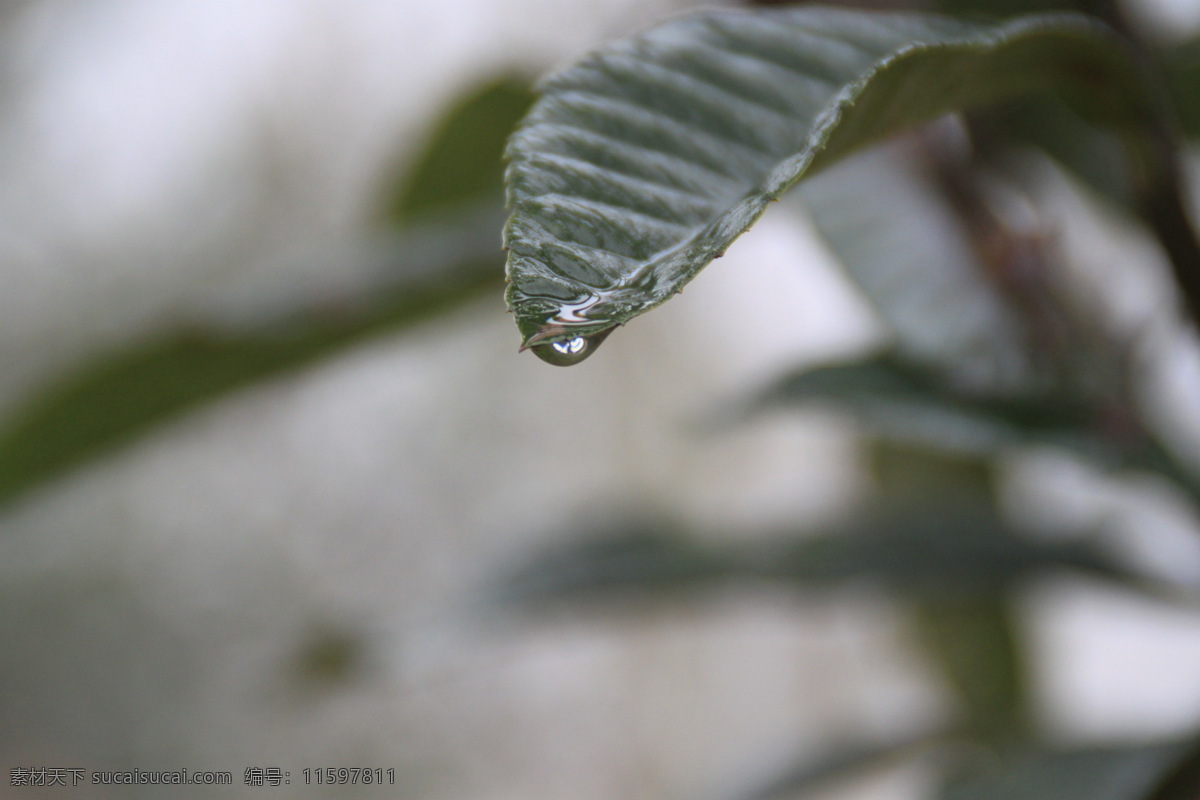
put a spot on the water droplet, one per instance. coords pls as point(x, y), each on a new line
point(570, 351)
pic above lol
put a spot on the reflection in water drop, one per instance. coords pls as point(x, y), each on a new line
point(570, 348)
point(571, 351)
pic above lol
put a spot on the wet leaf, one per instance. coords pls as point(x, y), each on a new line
point(641, 164)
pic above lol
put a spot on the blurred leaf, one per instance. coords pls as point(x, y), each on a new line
point(910, 403)
point(907, 475)
point(943, 551)
point(907, 402)
point(838, 764)
point(1182, 781)
point(974, 643)
point(636, 557)
point(970, 639)
point(641, 164)
point(1111, 773)
point(443, 253)
point(903, 248)
point(1000, 9)
point(929, 553)
point(1183, 81)
point(1093, 156)
point(463, 162)
point(123, 395)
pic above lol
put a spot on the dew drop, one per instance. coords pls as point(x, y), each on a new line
point(570, 351)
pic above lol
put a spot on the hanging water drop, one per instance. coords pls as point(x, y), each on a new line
point(570, 351)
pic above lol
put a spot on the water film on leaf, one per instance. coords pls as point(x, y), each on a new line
point(641, 163)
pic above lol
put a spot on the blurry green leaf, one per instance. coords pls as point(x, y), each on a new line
point(639, 556)
point(907, 402)
point(123, 395)
point(1183, 81)
point(463, 162)
point(1004, 9)
point(1093, 156)
point(443, 253)
point(905, 250)
point(971, 639)
point(974, 642)
point(1011, 8)
point(929, 553)
point(1111, 773)
point(641, 164)
point(1182, 781)
point(910, 403)
point(944, 551)
point(837, 764)
point(906, 475)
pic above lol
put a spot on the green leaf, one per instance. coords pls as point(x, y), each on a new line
point(1107, 773)
point(641, 164)
point(911, 403)
point(631, 559)
point(123, 395)
point(1092, 155)
point(904, 250)
point(933, 554)
point(463, 162)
